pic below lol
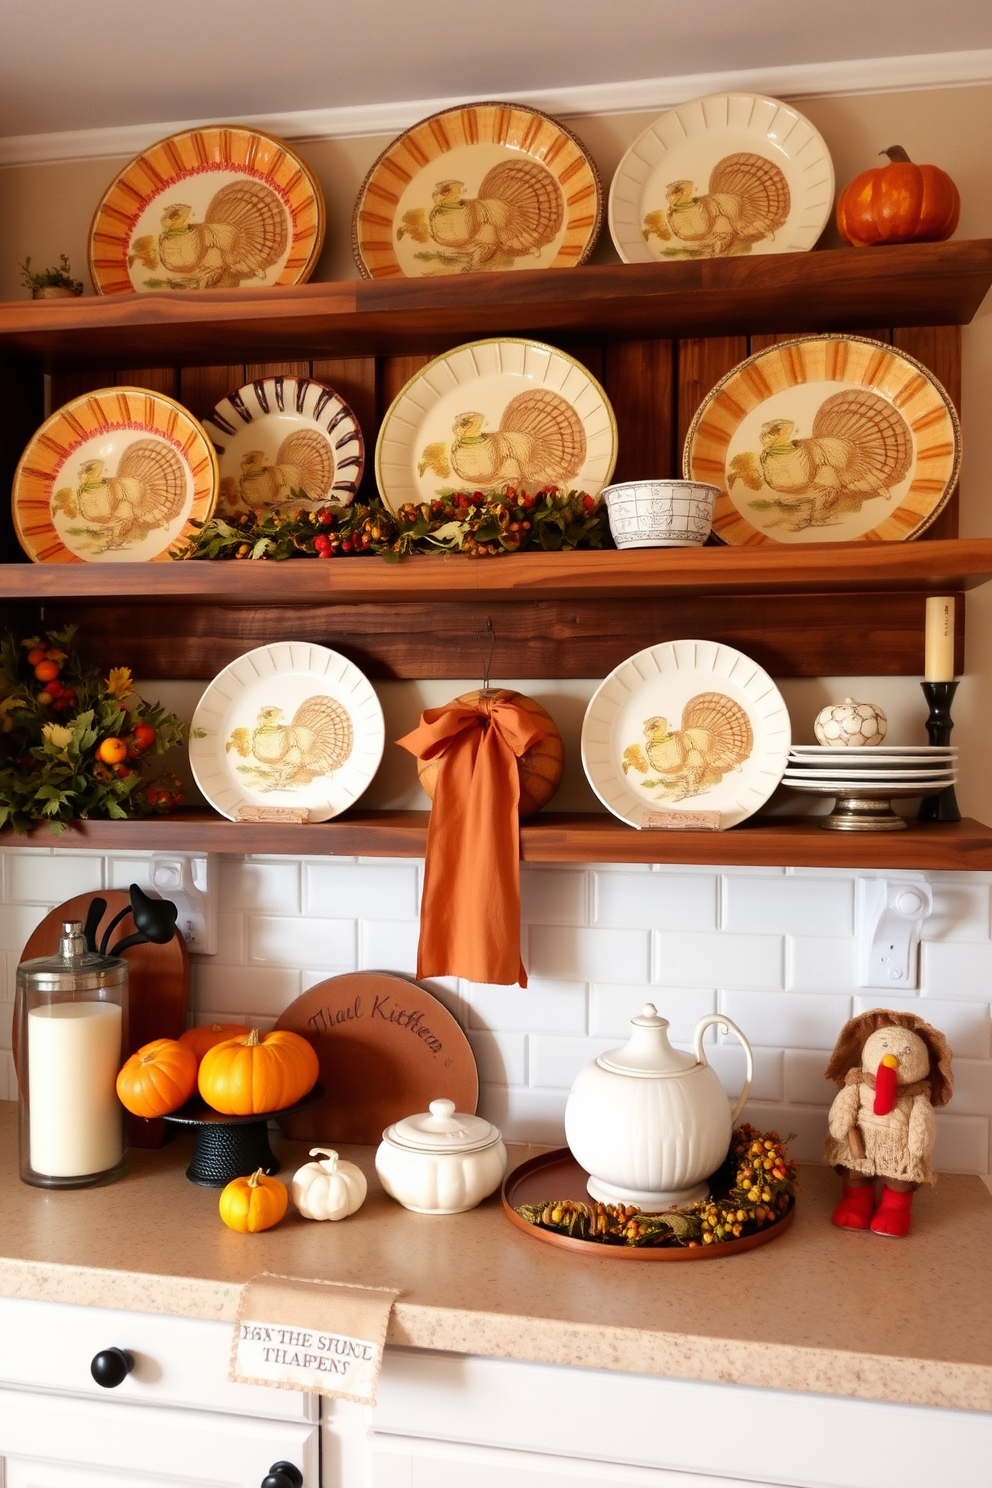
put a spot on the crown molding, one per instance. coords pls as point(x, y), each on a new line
point(806, 80)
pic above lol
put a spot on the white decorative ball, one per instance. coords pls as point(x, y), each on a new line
point(850, 725)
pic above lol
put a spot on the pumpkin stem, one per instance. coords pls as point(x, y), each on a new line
point(329, 1154)
point(897, 155)
point(252, 1039)
point(256, 1178)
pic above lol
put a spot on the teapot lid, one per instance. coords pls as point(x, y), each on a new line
point(442, 1129)
point(648, 1052)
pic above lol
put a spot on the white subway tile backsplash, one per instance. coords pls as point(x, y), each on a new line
point(545, 1005)
point(955, 969)
point(344, 891)
point(554, 1061)
point(554, 896)
point(809, 1020)
point(594, 955)
point(260, 886)
point(501, 1058)
point(815, 963)
point(655, 901)
point(302, 942)
point(682, 959)
point(42, 877)
point(759, 904)
point(388, 945)
point(772, 949)
point(611, 1008)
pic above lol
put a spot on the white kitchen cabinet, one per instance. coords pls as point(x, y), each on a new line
point(174, 1420)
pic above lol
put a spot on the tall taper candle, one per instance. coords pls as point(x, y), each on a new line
point(938, 665)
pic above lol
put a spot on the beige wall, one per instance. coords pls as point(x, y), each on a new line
point(47, 210)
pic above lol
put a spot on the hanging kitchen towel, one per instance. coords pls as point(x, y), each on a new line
point(470, 914)
point(319, 1336)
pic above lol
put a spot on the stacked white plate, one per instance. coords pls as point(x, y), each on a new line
point(926, 767)
point(866, 780)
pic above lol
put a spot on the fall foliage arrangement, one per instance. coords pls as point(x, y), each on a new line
point(755, 1189)
point(75, 744)
point(482, 525)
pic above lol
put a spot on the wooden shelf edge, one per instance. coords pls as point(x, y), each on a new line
point(912, 284)
point(552, 837)
point(944, 565)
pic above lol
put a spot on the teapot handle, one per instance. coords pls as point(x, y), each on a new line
point(728, 1027)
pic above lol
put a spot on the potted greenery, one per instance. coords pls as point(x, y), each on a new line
point(51, 284)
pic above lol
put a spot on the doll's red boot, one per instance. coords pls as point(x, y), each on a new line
point(893, 1215)
point(855, 1208)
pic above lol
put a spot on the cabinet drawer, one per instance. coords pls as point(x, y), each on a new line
point(177, 1361)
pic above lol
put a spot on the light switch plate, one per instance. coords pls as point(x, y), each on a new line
point(190, 881)
point(890, 914)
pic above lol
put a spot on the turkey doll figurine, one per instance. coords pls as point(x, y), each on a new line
point(892, 1069)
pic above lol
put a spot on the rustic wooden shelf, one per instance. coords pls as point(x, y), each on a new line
point(826, 609)
point(917, 284)
point(794, 842)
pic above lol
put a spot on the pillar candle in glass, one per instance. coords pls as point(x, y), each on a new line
point(71, 1017)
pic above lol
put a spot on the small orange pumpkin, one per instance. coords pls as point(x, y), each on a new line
point(208, 1035)
point(245, 1076)
point(158, 1079)
point(898, 203)
point(252, 1204)
point(540, 769)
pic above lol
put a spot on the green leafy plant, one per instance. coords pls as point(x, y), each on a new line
point(481, 525)
point(75, 744)
point(59, 277)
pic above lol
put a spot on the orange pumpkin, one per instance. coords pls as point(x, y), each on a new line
point(159, 1078)
point(207, 1035)
point(245, 1076)
point(252, 1204)
point(898, 203)
point(540, 768)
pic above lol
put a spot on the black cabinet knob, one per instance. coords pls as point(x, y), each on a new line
point(111, 1366)
point(283, 1475)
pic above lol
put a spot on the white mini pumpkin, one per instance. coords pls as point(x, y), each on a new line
point(331, 1189)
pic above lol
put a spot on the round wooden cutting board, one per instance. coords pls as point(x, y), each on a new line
point(387, 1048)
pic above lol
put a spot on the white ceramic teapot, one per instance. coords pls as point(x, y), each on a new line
point(649, 1122)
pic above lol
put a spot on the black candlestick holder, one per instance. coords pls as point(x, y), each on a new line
point(939, 695)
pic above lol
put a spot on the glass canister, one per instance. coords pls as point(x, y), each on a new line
point(71, 1020)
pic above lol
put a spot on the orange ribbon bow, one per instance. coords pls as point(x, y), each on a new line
point(470, 914)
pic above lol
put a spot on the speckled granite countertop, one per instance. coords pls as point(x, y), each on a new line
point(818, 1310)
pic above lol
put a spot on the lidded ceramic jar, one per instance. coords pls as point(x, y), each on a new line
point(71, 1012)
point(648, 1122)
point(441, 1161)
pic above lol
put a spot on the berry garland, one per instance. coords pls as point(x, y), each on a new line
point(481, 525)
point(74, 744)
point(758, 1188)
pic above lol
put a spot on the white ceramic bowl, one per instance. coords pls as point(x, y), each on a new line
point(660, 513)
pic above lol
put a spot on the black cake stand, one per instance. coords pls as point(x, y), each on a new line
point(232, 1146)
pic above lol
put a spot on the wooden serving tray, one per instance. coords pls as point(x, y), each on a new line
point(387, 1048)
point(556, 1175)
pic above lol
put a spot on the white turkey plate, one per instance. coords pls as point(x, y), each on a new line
point(722, 176)
point(492, 414)
point(289, 726)
point(685, 734)
point(285, 443)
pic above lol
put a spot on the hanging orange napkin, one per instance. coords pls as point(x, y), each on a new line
point(470, 915)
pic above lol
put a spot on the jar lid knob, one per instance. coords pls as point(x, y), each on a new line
point(72, 943)
point(442, 1108)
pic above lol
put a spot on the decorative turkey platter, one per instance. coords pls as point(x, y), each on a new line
point(685, 735)
point(826, 439)
point(496, 413)
point(482, 187)
point(285, 443)
point(220, 207)
point(286, 729)
point(722, 176)
point(115, 476)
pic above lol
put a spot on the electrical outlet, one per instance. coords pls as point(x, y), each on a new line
point(890, 916)
point(190, 881)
